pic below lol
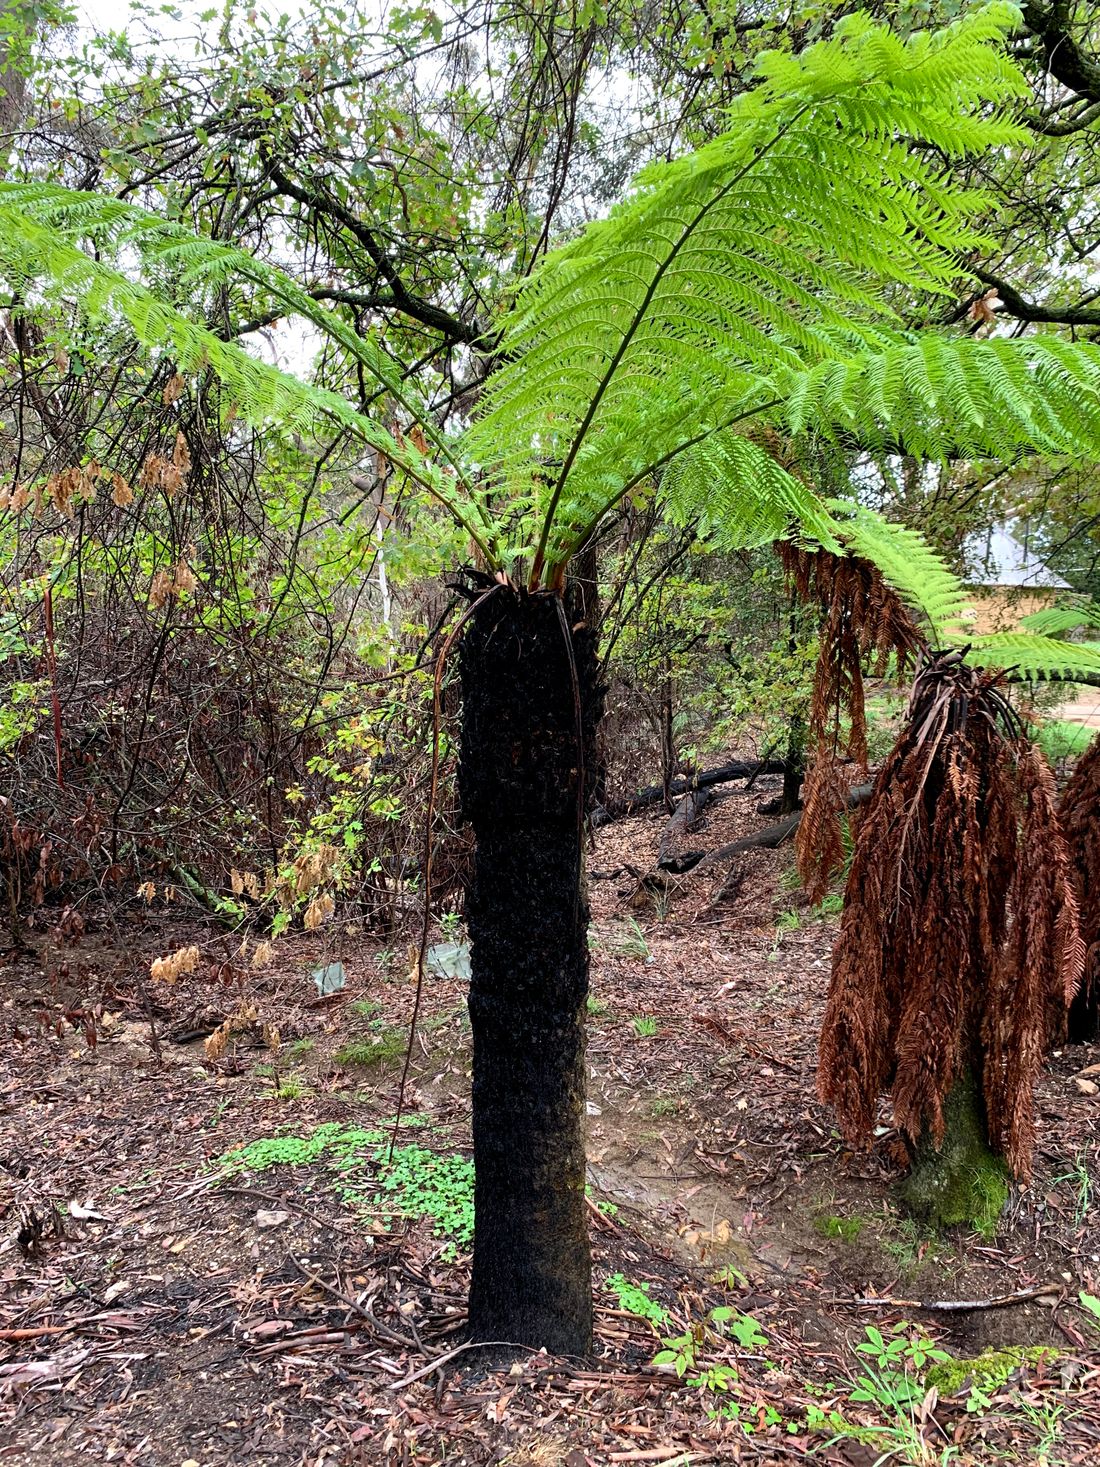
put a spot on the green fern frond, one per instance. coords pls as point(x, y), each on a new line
point(1044, 659)
point(940, 396)
point(908, 564)
point(39, 229)
point(1071, 613)
point(728, 275)
point(739, 496)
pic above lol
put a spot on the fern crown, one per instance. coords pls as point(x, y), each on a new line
point(752, 282)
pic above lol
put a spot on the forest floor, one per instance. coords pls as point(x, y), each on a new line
point(236, 1277)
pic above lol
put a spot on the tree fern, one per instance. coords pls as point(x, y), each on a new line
point(1071, 613)
point(909, 565)
point(1032, 656)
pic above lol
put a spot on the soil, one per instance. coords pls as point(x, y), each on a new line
point(156, 1310)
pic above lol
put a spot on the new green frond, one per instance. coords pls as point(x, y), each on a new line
point(730, 277)
point(39, 253)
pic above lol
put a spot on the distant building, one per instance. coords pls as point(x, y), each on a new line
point(1008, 581)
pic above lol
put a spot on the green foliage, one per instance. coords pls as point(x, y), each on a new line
point(331, 1142)
point(631, 943)
point(644, 1026)
point(1060, 739)
point(832, 1226)
point(985, 1374)
point(634, 1299)
point(694, 292)
point(421, 1183)
point(596, 1008)
point(416, 1182)
point(388, 1046)
point(1044, 658)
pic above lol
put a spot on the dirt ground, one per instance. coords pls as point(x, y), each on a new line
point(158, 1306)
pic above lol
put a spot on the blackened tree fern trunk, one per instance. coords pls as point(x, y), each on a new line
point(530, 708)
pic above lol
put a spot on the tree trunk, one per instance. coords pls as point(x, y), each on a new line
point(794, 767)
point(527, 671)
point(962, 1182)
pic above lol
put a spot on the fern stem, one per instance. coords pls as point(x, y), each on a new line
point(639, 316)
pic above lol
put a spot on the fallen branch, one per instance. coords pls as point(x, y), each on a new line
point(772, 836)
point(652, 794)
point(686, 813)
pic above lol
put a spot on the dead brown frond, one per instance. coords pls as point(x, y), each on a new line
point(863, 621)
point(958, 945)
point(1079, 813)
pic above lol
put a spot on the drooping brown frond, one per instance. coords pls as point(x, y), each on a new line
point(1079, 813)
point(958, 944)
point(863, 620)
point(1037, 969)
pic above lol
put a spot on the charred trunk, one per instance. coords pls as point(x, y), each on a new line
point(530, 709)
point(794, 767)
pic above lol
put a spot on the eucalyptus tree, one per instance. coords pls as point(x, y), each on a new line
point(745, 291)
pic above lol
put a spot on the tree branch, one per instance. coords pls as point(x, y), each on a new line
point(451, 327)
point(1064, 58)
point(1025, 310)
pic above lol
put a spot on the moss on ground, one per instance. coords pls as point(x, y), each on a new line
point(987, 1371)
point(831, 1226)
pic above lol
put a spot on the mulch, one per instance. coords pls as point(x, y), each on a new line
point(163, 1318)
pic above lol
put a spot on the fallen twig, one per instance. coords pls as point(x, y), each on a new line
point(948, 1306)
point(450, 1355)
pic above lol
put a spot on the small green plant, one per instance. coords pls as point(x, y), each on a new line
point(894, 1380)
point(596, 1007)
point(367, 1008)
point(289, 1088)
point(906, 1242)
point(388, 1046)
point(331, 1141)
point(687, 1355)
point(634, 1299)
point(730, 1277)
point(415, 1182)
point(450, 925)
point(421, 1183)
point(893, 1384)
point(663, 1105)
point(632, 943)
point(831, 1226)
point(644, 1025)
point(788, 921)
point(1079, 1177)
point(830, 905)
point(1091, 1304)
